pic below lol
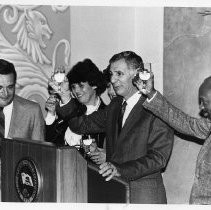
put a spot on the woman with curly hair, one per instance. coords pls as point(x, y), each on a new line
point(86, 83)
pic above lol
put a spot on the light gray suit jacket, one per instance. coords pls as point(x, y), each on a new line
point(27, 120)
point(201, 128)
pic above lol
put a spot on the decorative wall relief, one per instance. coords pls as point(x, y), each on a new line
point(24, 41)
point(187, 44)
point(189, 30)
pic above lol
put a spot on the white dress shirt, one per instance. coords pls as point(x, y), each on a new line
point(8, 114)
point(50, 118)
point(131, 102)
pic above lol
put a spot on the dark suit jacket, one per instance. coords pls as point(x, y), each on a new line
point(55, 132)
point(140, 152)
point(27, 120)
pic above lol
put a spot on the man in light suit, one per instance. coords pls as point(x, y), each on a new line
point(138, 152)
point(185, 124)
point(19, 118)
point(22, 118)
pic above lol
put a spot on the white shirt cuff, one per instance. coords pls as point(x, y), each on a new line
point(50, 118)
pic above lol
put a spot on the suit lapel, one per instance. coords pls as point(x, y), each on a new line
point(132, 117)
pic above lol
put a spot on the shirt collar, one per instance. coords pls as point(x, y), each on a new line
point(133, 99)
point(8, 107)
point(92, 108)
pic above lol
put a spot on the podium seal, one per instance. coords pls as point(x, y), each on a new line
point(27, 180)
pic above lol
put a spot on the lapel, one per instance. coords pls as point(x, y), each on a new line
point(132, 118)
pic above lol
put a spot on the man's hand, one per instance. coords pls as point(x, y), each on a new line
point(145, 87)
point(108, 170)
point(98, 156)
point(62, 89)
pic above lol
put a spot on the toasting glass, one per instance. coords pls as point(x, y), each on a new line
point(144, 74)
point(87, 141)
point(59, 75)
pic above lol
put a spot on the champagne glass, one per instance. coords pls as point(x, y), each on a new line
point(144, 74)
point(87, 142)
point(59, 75)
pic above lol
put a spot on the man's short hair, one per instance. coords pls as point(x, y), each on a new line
point(87, 71)
point(133, 60)
point(206, 84)
point(7, 68)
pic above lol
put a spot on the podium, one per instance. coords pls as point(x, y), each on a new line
point(34, 171)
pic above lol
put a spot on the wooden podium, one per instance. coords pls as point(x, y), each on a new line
point(33, 171)
point(40, 172)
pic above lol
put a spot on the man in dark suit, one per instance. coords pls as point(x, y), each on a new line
point(20, 118)
point(139, 145)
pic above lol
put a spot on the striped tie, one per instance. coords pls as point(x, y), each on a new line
point(2, 123)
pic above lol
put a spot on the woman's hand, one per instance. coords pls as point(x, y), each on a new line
point(62, 89)
point(51, 103)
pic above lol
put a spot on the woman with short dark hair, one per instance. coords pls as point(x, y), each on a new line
point(86, 83)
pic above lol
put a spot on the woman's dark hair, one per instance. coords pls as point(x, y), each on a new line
point(87, 71)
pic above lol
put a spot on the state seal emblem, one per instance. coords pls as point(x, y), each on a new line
point(27, 180)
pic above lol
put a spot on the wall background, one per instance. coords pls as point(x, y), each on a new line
point(100, 32)
point(64, 35)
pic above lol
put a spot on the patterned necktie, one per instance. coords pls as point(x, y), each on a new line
point(121, 114)
point(2, 123)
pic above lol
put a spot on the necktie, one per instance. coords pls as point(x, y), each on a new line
point(2, 123)
point(121, 114)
